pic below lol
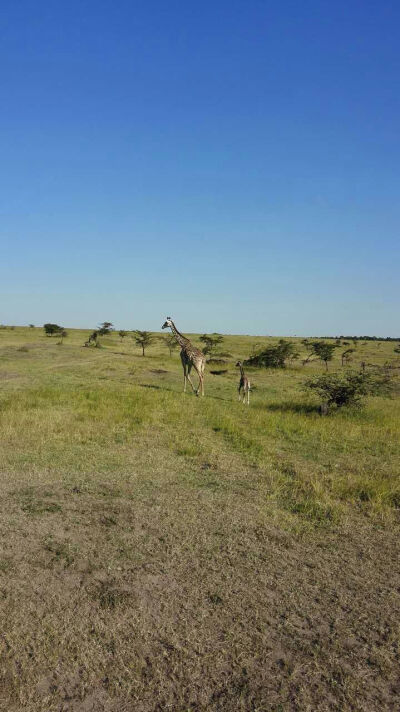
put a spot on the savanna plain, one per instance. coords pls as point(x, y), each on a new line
point(165, 552)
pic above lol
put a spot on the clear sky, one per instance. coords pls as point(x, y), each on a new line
point(235, 165)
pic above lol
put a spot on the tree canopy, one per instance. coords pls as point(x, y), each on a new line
point(274, 356)
point(211, 341)
point(143, 339)
point(51, 329)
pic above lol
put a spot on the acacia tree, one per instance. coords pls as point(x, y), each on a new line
point(274, 356)
point(106, 328)
point(324, 351)
point(170, 343)
point(309, 348)
point(51, 329)
point(345, 356)
point(211, 341)
point(143, 339)
point(63, 335)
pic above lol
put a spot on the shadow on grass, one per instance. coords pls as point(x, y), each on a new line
point(156, 388)
point(287, 407)
point(174, 390)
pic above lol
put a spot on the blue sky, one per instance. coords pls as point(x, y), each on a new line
point(232, 164)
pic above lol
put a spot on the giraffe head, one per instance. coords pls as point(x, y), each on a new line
point(167, 323)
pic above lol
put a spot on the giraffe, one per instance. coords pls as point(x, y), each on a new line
point(244, 384)
point(190, 357)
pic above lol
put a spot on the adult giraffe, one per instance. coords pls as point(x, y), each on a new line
point(191, 357)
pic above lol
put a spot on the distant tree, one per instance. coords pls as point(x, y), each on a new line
point(122, 334)
point(143, 339)
point(345, 356)
point(170, 343)
point(309, 348)
point(51, 329)
point(274, 356)
point(324, 351)
point(31, 326)
point(211, 341)
point(105, 328)
point(92, 339)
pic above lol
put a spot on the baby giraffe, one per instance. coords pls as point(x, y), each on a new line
point(244, 384)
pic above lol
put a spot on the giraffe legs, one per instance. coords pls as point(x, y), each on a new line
point(186, 377)
point(187, 367)
point(191, 382)
point(200, 373)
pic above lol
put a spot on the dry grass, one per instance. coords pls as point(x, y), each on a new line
point(165, 552)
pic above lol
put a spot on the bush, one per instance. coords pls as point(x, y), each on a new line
point(51, 329)
point(346, 389)
point(274, 356)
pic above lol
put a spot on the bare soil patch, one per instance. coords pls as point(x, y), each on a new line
point(166, 599)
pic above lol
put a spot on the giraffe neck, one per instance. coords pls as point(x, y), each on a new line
point(182, 340)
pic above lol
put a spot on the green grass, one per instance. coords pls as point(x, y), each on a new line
point(162, 551)
point(81, 410)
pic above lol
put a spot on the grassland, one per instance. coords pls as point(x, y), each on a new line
point(167, 552)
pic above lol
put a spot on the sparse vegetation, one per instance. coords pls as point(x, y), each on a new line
point(153, 539)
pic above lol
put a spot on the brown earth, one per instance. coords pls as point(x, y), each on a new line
point(168, 599)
